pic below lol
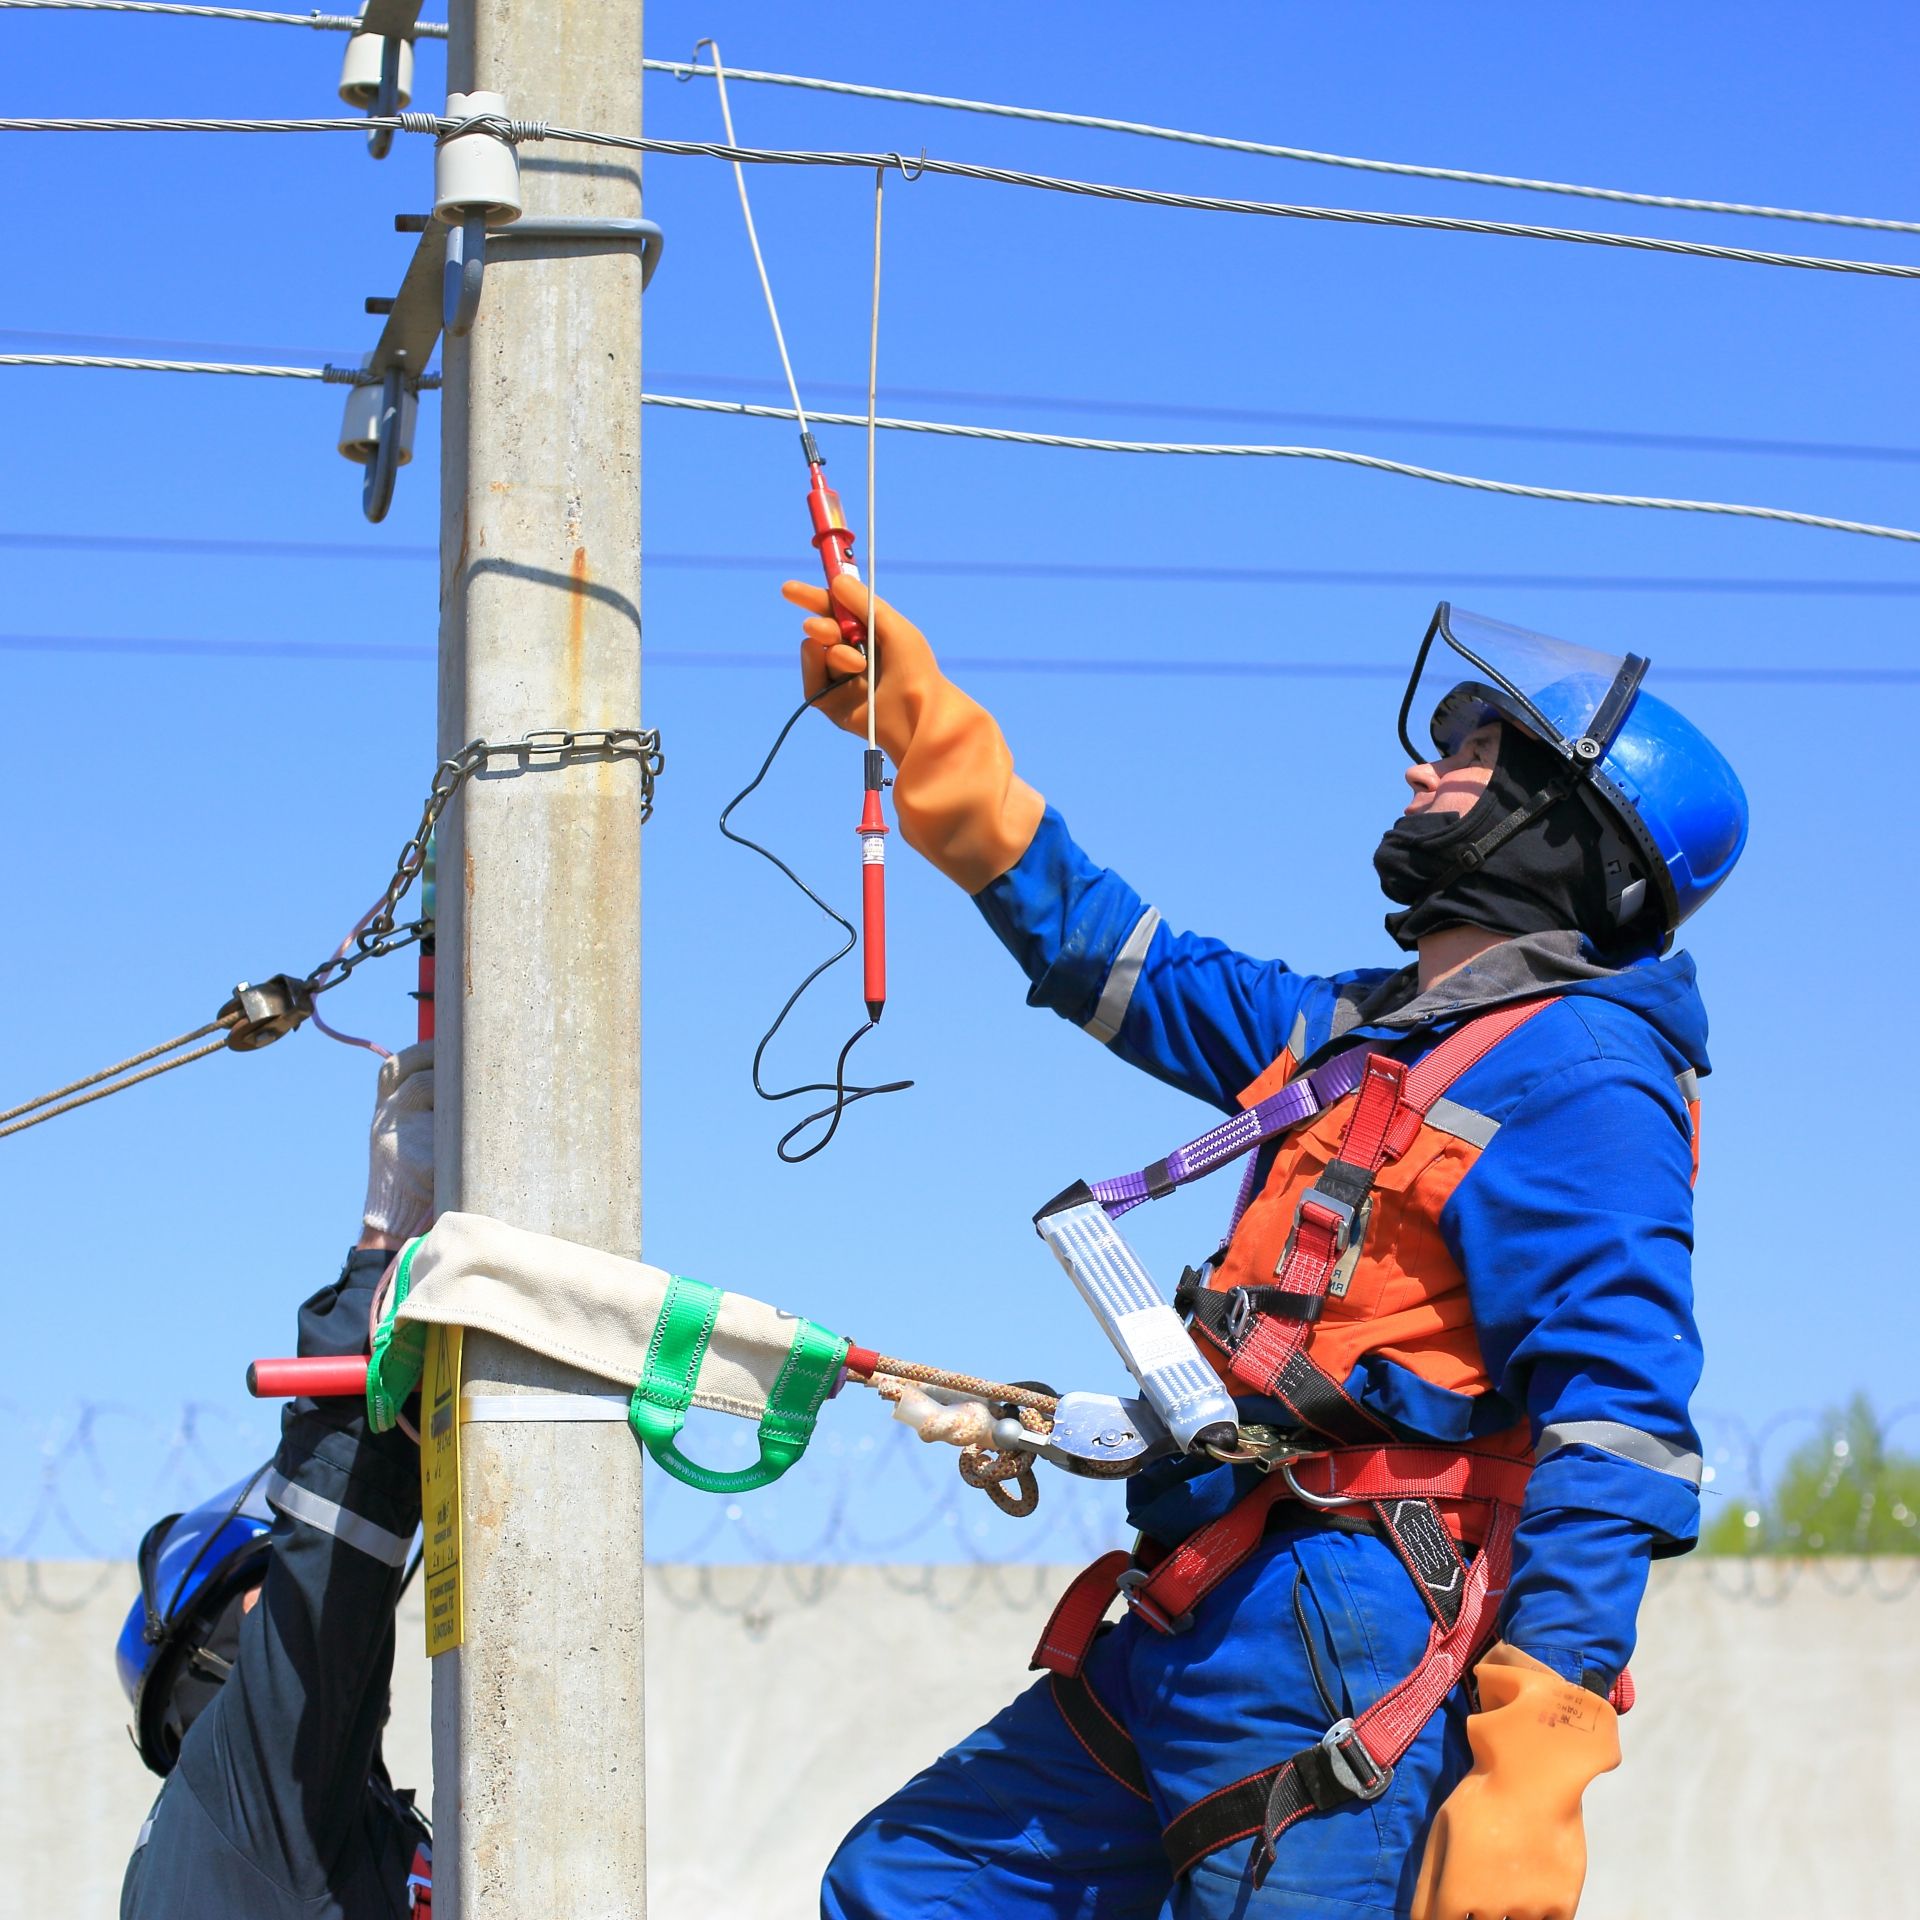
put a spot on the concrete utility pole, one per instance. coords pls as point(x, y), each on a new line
point(538, 1744)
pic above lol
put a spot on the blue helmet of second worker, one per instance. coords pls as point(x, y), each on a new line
point(177, 1646)
point(1607, 810)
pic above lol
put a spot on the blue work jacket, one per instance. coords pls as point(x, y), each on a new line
point(1573, 1229)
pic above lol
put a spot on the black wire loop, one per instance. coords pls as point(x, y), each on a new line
point(844, 1095)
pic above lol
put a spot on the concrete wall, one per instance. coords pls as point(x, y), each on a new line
point(1773, 1766)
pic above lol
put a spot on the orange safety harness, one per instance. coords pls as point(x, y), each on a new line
point(1338, 1455)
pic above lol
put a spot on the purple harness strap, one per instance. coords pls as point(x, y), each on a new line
point(1298, 1100)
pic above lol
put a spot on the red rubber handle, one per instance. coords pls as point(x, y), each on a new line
point(333, 1377)
point(834, 539)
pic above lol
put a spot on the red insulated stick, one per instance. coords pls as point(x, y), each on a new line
point(334, 1377)
point(833, 539)
point(873, 890)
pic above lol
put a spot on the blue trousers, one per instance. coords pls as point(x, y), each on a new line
point(1018, 1823)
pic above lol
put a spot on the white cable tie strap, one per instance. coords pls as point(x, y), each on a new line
point(509, 1408)
point(1100, 123)
point(1011, 436)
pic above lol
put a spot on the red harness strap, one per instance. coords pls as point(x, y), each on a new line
point(1264, 1333)
point(1391, 1477)
point(1355, 1759)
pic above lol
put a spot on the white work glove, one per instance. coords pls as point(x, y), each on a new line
point(400, 1153)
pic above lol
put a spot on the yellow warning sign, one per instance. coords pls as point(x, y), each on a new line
point(440, 1486)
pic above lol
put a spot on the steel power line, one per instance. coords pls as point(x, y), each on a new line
point(48, 340)
point(519, 130)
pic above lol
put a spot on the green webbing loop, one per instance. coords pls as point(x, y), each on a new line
point(399, 1351)
point(659, 1405)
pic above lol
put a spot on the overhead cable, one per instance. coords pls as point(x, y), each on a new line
point(1133, 405)
point(331, 376)
point(1014, 437)
point(1100, 123)
point(325, 22)
point(519, 130)
point(1149, 573)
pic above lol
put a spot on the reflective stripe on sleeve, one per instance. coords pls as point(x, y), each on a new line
point(328, 1516)
point(1122, 977)
point(1449, 1116)
point(1630, 1443)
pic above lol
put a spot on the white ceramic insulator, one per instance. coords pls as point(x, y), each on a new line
point(360, 70)
point(360, 425)
point(476, 174)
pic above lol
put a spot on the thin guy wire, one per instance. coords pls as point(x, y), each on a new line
point(107, 1073)
point(873, 406)
point(968, 170)
point(325, 22)
point(119, 1086)
point(330, 376)
point(1099, 123)
point(753, 238)
point(1012, 437)
point(328, 551)
point(1158, 667)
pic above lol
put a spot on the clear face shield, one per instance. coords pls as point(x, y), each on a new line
point(1471, 670)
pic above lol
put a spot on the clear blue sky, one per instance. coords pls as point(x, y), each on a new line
point(175, 821)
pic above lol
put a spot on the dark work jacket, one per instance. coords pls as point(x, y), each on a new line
point(280, 1805)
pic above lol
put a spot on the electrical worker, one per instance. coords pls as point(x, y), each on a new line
point(1470, 1327)
point(259, 1653)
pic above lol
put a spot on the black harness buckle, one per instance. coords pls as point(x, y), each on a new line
point(1340, 1769)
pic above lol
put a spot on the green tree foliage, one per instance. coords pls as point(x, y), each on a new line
point(1843, 1491)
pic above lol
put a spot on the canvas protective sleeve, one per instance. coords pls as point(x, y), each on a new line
point(1189, 1010)
point(275, 1772)
point(1575, 1232)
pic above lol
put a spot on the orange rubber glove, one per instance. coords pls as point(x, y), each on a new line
point(1507, 1843)
point(959, 800)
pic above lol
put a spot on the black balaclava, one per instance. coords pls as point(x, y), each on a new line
point(1551, 874)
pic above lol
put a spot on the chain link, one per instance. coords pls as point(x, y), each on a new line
point(383, 934)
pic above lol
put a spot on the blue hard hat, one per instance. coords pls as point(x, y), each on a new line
point(1641, 765)
point(178, 1643)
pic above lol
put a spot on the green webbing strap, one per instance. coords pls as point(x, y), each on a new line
point(399, 1351)
point(659, 1405)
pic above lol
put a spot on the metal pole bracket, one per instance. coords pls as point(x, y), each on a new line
point(468, 244)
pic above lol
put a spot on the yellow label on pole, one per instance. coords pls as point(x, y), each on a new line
point(440, 1486)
